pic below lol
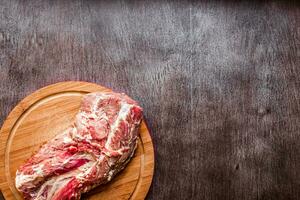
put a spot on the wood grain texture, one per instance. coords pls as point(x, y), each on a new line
point(48, 112)
point(219, 83)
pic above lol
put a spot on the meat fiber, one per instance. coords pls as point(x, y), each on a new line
point(89, 153)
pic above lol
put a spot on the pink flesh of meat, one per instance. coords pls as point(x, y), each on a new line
point(89, 153)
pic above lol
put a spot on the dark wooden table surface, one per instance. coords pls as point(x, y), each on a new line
point(219, 83)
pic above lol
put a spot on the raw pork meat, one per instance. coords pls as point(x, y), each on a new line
point(89, 153)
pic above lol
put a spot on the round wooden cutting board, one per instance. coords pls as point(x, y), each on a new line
point(47, 112)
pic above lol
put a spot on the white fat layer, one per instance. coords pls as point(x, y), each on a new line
point(95, 114)
point(22, 179)
point(88, 168)
point(39, 169)
point(55, 184)
point(95, 105)
point(67, 139)
point(125, 109)
point(95, 110)
point(110, 174)
point(58, 182)
point(80, 156)
point(77, 136)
